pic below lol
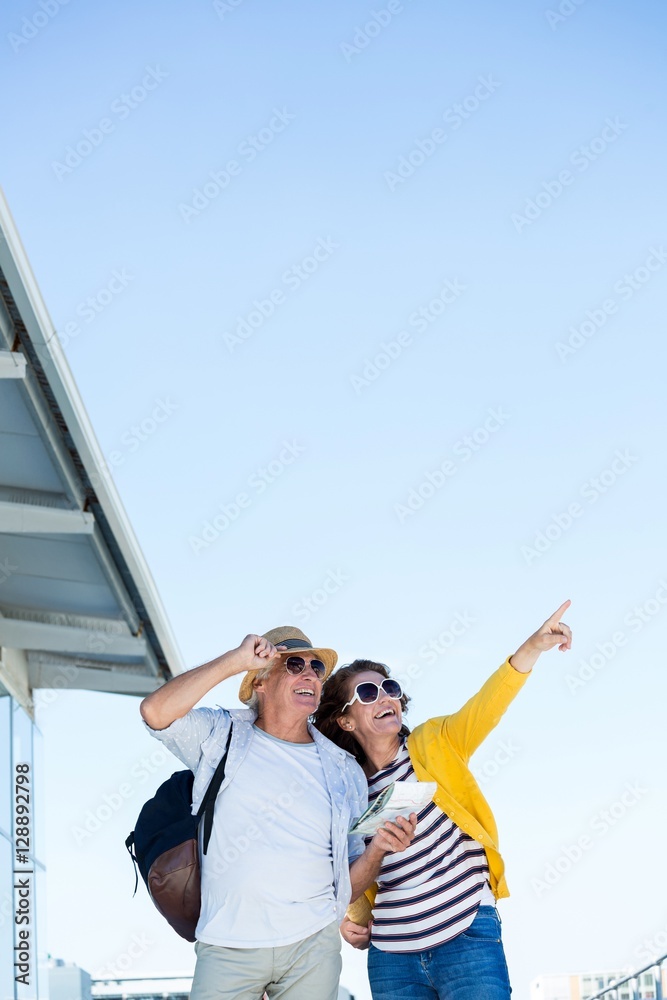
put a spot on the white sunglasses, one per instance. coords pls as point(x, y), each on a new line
point(368, 692)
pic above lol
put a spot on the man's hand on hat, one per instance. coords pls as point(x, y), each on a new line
point(255, 653)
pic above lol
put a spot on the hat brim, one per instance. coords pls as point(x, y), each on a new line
point(329, 658)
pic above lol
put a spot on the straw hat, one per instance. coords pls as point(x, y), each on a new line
point(296, 642)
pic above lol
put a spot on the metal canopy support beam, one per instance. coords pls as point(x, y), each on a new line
point(12, 364)
point(47, 675)
point(20, 634)
point(14, 675)
point(115, 580)
point(68, 665)
point(32, 519)
point(50, 434)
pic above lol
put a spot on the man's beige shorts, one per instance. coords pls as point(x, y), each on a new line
point(307, 970)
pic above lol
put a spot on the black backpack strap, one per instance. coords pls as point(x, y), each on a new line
point(207, 806)
point(129, 843)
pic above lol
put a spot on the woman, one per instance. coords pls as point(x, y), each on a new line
point(435, 931)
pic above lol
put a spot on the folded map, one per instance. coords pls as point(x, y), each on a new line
point(398, 799)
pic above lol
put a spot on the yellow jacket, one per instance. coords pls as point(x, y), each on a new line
point(440, 750)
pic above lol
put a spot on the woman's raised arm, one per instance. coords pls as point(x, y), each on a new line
point(469, 727)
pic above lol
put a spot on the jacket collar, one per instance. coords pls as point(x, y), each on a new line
point(248, 715)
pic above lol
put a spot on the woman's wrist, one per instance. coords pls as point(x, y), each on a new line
point(525, 658)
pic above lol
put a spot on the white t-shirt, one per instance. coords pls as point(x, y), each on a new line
point(267, 878)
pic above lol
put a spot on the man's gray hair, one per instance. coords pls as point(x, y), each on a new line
point(254, 698)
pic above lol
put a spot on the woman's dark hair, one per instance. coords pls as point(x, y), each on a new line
point(336, 692)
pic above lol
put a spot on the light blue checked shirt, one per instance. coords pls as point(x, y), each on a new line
point(199, 739)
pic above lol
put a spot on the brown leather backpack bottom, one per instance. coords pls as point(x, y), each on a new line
point(174, 884)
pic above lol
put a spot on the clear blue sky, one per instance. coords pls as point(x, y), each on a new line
point(540, 199)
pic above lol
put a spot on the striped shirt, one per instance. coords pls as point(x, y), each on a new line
point(429, 893)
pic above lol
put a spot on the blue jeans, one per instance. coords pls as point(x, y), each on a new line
point(471, 966)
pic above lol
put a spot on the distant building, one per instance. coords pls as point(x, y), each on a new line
point(150, 988)
point(68, 982)
point(154, 989)
point(582, 986)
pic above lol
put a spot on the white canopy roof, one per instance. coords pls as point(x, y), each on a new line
point(78, 606)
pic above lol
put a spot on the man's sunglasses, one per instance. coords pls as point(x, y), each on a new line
point(297, 664)
point(368, 692)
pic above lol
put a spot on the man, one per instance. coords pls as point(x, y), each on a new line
point(280, 868)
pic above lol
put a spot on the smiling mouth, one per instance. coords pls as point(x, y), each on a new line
point(385, 712)
point(307, 691)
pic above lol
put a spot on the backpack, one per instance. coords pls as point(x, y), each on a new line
point(166, 846)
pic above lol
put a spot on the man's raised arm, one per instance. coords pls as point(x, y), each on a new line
point(175, 698)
